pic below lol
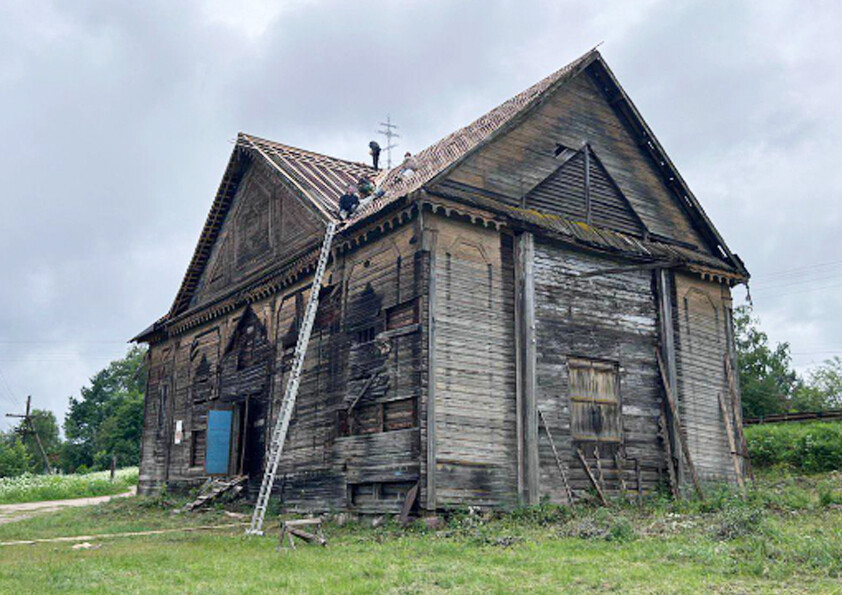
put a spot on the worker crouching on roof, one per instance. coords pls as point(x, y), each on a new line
point(348, 203)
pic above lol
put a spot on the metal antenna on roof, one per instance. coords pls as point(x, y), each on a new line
point(388, 131)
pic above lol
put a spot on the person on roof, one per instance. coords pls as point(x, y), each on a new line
point(348, 203)
point(374, 151)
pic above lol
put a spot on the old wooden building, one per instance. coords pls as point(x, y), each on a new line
point(490, 327)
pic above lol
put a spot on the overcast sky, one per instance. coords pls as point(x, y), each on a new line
point(116, 121)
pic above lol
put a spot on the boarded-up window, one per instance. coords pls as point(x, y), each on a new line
point(373, 418)
point(402, 315)
point(594, 400)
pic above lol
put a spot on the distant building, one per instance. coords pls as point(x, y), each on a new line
point(495, 313)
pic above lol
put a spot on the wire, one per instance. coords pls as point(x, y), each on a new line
point(9, 389)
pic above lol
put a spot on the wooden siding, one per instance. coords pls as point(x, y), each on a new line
point(611, 319)
point(475, 417)
point(701, 346)
point(518, 161)
point(376, 288)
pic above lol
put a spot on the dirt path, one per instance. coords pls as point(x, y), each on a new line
point(24, 510)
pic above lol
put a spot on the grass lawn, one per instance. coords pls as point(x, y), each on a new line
point(38, 488)
point(784, 537)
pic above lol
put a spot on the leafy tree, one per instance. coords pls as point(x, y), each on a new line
point(107, 417)
point(767, 380)
point(768, 383)
point(823, 388)
point(14, 460)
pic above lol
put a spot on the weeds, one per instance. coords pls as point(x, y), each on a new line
point(37, 488)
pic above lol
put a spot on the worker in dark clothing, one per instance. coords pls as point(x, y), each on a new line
point(375, 153)
point(348, 203)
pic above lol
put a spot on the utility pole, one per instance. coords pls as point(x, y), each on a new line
point(28, 427)
point(388, 131)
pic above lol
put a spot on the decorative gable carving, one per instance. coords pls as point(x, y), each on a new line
point(265, 225)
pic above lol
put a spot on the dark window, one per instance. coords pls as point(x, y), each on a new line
point(366, 335)
point(197, 448)
point(245, 357)
point(372, 418)
point(163, 397)
point(594, 400)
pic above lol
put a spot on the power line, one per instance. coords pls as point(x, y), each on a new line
point(9, 389)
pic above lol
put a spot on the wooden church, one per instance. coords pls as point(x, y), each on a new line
point(536, 307)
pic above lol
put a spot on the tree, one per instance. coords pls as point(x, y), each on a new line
point(823, 387)
point(106, 419)
point(14, 459)
point(767, 380)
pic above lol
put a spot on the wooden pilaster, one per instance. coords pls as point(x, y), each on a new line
point(526, 361)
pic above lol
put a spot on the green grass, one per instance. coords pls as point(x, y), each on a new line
point(810, 447)
point(37, 488)
point(784, 536)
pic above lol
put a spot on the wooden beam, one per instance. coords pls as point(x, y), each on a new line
point(558, 462)
point(666, 335)
point(519, 358)
point(736, 405)
point(732, 446)
point(682, 435)
point(588, 209)
point(428, 244)
point(592, 479)
point(526, 260)
point(662, 424)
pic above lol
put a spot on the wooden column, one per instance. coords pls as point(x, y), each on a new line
point(666, 333)
point(428, 245)
point(526, 361)
point(734, 385)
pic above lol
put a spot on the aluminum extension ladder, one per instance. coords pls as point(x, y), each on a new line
point(279, 433)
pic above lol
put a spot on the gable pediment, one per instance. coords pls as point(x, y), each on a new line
point(519, 159)
point(264, 225)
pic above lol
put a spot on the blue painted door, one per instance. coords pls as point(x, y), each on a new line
point(218, 442)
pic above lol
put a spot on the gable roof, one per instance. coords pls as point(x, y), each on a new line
point(443, 155)
point(319, 180)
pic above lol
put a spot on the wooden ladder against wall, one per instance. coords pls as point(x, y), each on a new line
point(279, 433)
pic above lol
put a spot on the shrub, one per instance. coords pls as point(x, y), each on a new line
point(813, 447)
point(739, 521)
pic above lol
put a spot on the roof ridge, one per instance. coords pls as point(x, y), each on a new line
point(287, 147)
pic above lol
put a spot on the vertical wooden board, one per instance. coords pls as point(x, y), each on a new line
point(607, 318)
point(476, 449)
point(701, 346)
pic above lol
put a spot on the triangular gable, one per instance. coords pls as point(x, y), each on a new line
point(675, 215)
point(265, 225)
point(312, 180)
point(580, 189)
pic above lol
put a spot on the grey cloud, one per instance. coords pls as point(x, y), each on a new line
point(116, 120)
